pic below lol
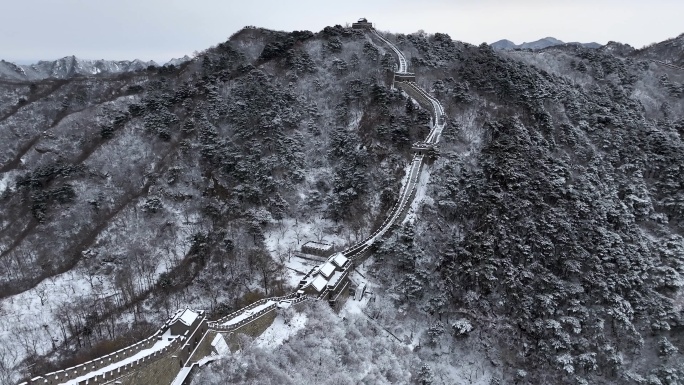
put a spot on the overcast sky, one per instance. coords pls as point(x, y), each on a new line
point(163, 29)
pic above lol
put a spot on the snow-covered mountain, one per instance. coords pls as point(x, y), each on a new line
point(616, 48)
point(178, 61)
point(669, 51)
point(545, 244)
point(538, 44)
point(68, 67)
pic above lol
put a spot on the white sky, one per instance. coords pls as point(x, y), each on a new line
point(162, 29)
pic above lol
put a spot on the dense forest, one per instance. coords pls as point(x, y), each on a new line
point(554, 217)
point(546, 246)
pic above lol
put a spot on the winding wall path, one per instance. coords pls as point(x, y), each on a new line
point(403, 64)
point(262, 309)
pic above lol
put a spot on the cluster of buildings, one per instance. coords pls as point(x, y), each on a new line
point(329, 280)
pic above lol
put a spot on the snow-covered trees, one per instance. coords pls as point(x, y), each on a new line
point(554, 223)
point(550, 218)
point(331, 351)
point(349, 181)
point(163, 187)
point(461, 327)
point(425, 376)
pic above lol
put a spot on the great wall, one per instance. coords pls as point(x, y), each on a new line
point(189, 339)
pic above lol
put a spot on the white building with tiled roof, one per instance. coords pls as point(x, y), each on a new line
point(330, 280)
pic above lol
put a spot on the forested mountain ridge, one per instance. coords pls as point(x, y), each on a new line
point(669, 51)
point(126, 197)
point(549, 241)
point(550, 236)
point(563, 219)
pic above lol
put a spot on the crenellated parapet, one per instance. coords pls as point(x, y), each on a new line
point(429, 103)
point(398, 212)
point(402, 67)
point(424, 151)
point(244, 316)
point(102, 377)
point(251, 307)
point(175, 333)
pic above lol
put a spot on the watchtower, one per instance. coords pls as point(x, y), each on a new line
point(404, 77)
point(362, 24)
point(424, 148)
point(329, 281)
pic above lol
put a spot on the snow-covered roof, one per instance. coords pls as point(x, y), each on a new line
point(319, 246)
point(187, 317)
point(327, 269)
point(335, 278)
point(339, 259)
point(319, 283)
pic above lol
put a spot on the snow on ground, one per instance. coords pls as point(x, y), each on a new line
point(185, 371)
point(279, 331)
point(5, 180)
point(28, 319)
point(402, 193)
point(302, 265)
point(162, 343)
point(247, 313)
point(185, 224)
point(407, 173)
point(219, 345)
point(289, 235)
point(354, 307)
point(297, 269)
point(421, 189)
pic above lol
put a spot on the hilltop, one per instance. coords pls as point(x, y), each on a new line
point(545, 245)
point(668, 51)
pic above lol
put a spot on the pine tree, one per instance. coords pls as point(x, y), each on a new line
point(425, 376)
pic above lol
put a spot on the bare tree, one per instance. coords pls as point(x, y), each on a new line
point(298, 234)
point(42, 292)
point(9, 358)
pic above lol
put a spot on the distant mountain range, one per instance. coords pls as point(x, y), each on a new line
point(670, 51)
point(70, 66)
point(539, 44)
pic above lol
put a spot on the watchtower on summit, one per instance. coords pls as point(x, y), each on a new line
point(362, 24)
